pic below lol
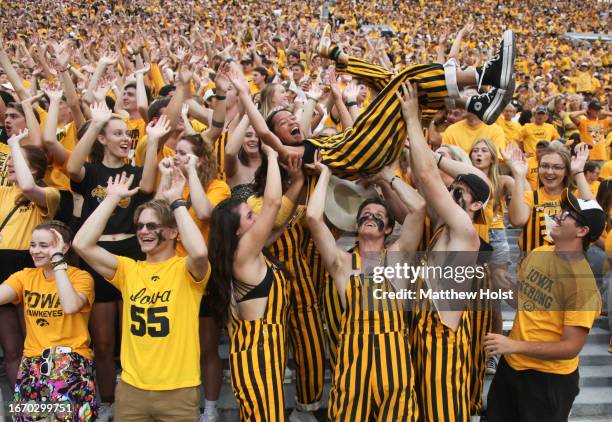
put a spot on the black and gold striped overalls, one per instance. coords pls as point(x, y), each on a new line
point(305, 324)
point(534, 232)
point(441, 359)
point(378, 134)
point(373, 379)
point(258, 356)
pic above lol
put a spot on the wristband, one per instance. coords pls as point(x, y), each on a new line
point(217, 124)
point(577, 173)
point(57, 254)
point(62, 266)
point(440, 159)
point(177, 204)
point(220, 97)
point(64, 69)
point(229, 60)
point(335, 52)
point(351, 104)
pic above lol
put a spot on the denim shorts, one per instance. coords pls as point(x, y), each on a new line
point(501, 249)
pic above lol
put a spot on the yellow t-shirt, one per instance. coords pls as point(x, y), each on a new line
point(531, 134)
point(287, 209)
point(553, 293)
point(606, 171)
point(46, 323)
point(17, 232)
point(137, 129)
point(512, 130)
point(532, 172)
point(593, 132)
point(160, 348)
point(5, 153)
point(464, 135)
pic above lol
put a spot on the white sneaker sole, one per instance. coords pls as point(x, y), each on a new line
point(501, 100)
point(508, 55)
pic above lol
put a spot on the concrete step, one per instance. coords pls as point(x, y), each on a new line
point(595, 376)
point(593, 401)
point(595, 355)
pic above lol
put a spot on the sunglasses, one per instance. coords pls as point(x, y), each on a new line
point(560, 217)
point(149, 226)
point(46, 368)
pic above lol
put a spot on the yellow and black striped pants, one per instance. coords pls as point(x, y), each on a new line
point(377, 137)
point(304, 322)
point(257, 362)
point(441, 359)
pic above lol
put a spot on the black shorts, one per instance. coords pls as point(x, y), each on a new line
point(106, 292)
point(12, 261)
point(530, 396)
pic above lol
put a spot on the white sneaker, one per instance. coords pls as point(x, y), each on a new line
point(491, 368)
point(106, 412)
point(298, 416)
point(210, 415)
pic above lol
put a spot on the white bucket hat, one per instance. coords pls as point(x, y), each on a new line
point(343, 200)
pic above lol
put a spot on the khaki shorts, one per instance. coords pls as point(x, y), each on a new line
point(135, 405)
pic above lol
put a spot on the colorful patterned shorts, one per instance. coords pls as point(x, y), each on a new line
point(71, 380)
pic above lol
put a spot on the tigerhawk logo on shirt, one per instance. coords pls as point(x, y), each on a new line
point(99, 192)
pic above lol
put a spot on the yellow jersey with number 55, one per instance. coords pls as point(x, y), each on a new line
point(160, 347)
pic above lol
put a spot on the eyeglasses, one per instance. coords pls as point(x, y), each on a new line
point(149, 226)
point(547, 167)
point(560, 217)
point(47, 366)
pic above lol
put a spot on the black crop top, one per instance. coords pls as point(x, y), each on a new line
point(249, 291)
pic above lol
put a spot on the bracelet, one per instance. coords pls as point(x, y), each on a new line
point(64, 69)
point(220, 97)
point(57, 254)
point(393, 180)
point(177, 204)
point(217, 124)
point(440, 159)
point(351, 104)
point(577, 173)
point(229, 60)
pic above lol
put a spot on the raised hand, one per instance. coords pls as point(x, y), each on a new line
point(238, 80)
point(31, 100)
point(315, 92)
point(119, 186)
point(350, 93)
point(185, 110)
point(165, 166)
point(184, 74)
point(58, 244)
point(175, 190)
point(192, 162)
point(409, 101)
point(100, 113)
point(109, 59)
point(515, 159)
point(580, 159)
point(221, 80)
point(14, 140)
point(54, 92)
point(294, 168)
point(158, 129)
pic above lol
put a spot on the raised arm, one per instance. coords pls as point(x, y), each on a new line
point(57, 150)
point(72, 99)
point(155, 132)
point(332, 256)
point(141, 93)
point(199, 200)
point(100, 114)
point(518, 210)
point(34, 131)
point(71, 300)
point(577, 169)
point(11, 73)
point(86, 240)
point(106, 60)
point(254, 240)
point(232, 148)
point(218, 118)
point(23, 174)
point(424, 167)
point(191, 237)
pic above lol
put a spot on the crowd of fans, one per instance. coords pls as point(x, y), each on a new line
point(188, 146)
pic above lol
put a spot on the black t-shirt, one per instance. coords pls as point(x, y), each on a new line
point(93, 189)
point(3, 134)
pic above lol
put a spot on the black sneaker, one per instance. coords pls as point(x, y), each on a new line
point(490, 105)
point(498, 71)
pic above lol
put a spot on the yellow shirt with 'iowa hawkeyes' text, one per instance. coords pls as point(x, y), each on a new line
point(160, 347)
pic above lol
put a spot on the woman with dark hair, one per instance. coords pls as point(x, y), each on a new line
point(256, 292)
point(23, 205)
point(604, 198)
point(57, 366)
point(107, 142)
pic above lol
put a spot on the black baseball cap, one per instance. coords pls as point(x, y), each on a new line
point(480, 191)
point(595, 105)
point(590, 213)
